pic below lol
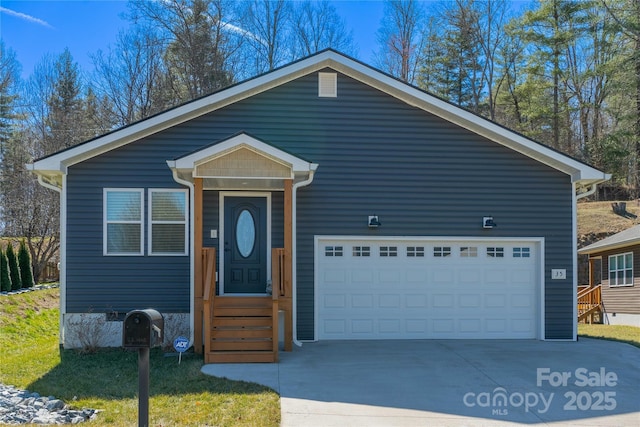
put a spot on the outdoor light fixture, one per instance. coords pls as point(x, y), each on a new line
point(487, 222)
point(374, 222)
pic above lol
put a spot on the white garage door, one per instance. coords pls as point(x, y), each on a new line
point(424, 288)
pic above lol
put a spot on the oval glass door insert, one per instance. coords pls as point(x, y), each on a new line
point(245, 233)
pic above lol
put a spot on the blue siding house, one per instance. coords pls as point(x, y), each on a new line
point(324, 198)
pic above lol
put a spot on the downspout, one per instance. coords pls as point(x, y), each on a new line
point(192, 307)
point(590, 191)
point(48, 185)
point(294, 251)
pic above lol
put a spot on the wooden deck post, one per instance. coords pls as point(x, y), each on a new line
point(288, 265)
point(198, 266)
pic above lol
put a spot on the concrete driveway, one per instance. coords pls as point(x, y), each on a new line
point(452, 383)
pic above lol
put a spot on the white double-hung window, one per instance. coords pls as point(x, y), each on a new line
point(123, 221)
point(621, 269)
point(168, 231)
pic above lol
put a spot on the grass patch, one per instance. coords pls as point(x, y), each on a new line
point(626, 334)
point(599, 218)
point(180, 395)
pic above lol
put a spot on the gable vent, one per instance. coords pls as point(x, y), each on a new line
point(327, 85)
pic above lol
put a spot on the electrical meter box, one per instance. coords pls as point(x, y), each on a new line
point(142, 329)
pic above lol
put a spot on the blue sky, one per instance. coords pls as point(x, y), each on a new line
point(35, 28)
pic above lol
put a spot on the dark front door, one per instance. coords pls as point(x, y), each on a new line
point(245, 245)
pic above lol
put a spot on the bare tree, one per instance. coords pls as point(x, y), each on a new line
point(493, 16)
point(267, 24)
point(400, 39)
point(198, 41)
point(129, 75)
point(317, 26)
point(30, 211)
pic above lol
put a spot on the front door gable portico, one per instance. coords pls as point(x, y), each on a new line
point(242, 162)
point(242, 166)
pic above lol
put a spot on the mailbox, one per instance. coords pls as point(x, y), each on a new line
point(142, 329)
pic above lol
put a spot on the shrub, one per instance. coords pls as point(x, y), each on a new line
point(14, 271)
point(24, 261)
point(5, 282)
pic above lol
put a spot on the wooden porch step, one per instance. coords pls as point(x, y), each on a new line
point(242, 345)
point(240, 357)
point(242, 302)
point(240, 322)
point(241, 330)
point(240, 334)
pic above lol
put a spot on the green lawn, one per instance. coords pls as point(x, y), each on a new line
point(180, 395)
point(628, 334)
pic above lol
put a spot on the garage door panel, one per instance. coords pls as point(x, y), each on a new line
point(361, 276)
point(334, 276)
point(416, 326)
point(362, 301)
point(522, 301)
point(495, 300)
point(427, 289)
point(522, 325)
point(469, 300)
point(443, 326)
point(496, 325)
point(390, 301)
point(389, 277)
point(390, 326)
point(416, 301)
point(470, 325)
point(335, 327)
point(442, 301)
point(443, 276)
point(494, 275)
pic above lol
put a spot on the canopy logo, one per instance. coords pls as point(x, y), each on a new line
point(500, 401)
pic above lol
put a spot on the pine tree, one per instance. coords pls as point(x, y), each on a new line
point(5, 282)
point(14, 271)
point(24, 261)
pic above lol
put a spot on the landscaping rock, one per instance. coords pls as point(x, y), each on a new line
point(21, 407)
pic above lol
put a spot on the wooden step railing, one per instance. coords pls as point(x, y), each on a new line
point(281, 286)
point(208, 294)
point(590, 305)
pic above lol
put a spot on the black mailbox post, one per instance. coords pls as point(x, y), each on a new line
point(141, 330)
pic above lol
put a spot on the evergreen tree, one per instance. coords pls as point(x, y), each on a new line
point(5, 281)
point(14, 271)
point(24, 261)
point(65, 118)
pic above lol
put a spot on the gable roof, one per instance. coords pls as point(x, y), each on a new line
point(52, 167)
point(623, 239)
point(242, 162)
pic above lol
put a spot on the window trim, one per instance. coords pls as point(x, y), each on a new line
point(106, 222)
point(151, 222)
point(623, 256)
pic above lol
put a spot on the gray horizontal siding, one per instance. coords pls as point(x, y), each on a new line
point(100, 283)
point(621, 299)
point(377, 155)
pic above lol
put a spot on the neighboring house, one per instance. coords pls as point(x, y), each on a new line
point(616, 260)
point(398, 215)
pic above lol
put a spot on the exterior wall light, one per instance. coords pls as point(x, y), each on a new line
point(374, 222)
point(487, 222)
